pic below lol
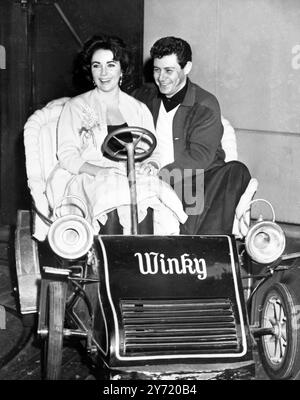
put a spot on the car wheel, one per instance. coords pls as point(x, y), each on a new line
point(53, 345)
point(280, 351)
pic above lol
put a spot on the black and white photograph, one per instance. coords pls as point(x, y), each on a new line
point(149, 193)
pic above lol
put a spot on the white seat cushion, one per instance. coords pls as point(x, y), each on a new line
point(229, 141)
point(40, 152)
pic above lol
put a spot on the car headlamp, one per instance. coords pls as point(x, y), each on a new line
point(70, 236)
point(265, 240)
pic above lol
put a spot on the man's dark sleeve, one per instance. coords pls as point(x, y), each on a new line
point(204, 132)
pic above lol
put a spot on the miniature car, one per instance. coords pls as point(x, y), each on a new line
point(161, 307)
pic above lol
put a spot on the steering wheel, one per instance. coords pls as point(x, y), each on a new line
point(139, 136)
point(134, 151)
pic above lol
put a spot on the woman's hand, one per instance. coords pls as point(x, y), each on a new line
point(94, 170)
point(148, 168)
point(107, 171)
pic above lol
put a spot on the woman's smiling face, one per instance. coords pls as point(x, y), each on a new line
point(105, 70)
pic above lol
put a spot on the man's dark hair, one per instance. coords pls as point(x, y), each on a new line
point(172, 45)
point(82, 75)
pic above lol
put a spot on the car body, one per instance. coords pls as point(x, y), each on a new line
point(169, 306)
point(156, 306)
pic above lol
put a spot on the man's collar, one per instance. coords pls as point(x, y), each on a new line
point(171, 102)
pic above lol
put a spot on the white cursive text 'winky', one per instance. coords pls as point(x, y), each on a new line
point(153, 263)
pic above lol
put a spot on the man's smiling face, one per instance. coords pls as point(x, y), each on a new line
point(168, 74)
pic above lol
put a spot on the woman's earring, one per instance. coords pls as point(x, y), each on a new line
point(120, 80)
point(94, 83)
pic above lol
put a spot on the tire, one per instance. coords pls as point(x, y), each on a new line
point(280, 352)
point(53, 346)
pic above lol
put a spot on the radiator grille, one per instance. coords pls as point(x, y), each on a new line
point(194, 326)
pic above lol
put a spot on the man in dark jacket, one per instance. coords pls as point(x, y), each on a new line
point(189, 131)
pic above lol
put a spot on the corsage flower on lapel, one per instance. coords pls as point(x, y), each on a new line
point(89, 123)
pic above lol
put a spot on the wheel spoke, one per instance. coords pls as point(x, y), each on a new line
point(281, 313)
point(276, 348)
point(282, 347)
point(140, 137)
point(118, 151)
point(120, 141)
point(272, 321)
point(275, 310)
point(139, 150)
point(283, 331)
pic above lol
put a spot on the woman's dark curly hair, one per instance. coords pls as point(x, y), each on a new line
point(82, 76)
point(172, 45)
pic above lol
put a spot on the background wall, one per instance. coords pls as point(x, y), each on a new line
point(38, 43)
point(248, 54)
